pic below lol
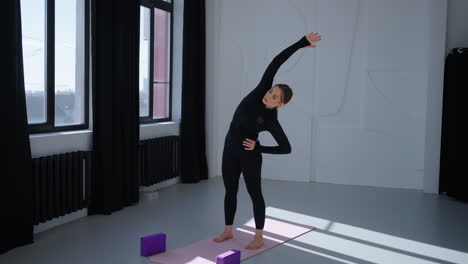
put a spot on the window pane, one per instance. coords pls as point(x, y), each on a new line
point(145, 34)
point(33, 26)
point(161, 102)
point(69, 62)
point(161, 63)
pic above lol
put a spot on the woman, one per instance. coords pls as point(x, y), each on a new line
point(256, 112)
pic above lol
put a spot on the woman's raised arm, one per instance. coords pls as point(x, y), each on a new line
point(267, 79)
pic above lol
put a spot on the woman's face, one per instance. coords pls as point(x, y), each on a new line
point(273, 97)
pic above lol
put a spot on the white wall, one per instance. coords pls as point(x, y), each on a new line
point(213, 32)
point(435, 69)
point(362, 100)
point(457, 24)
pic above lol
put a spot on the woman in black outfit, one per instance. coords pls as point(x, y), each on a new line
point(257, 112)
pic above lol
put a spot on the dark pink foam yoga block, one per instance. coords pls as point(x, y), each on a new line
point(229, 257)
point(154, 244)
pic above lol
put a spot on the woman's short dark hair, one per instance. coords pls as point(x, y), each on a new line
point(286, 92)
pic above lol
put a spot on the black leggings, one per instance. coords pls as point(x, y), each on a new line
point(249, 162)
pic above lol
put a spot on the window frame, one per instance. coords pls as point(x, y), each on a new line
point(168, 7)
point(49, 125)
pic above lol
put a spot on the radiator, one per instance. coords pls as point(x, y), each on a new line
point(159, 159)
point(61, 184)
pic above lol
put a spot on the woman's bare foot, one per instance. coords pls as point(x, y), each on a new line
point(222, 237)
point(227, 234)
point(255, 244)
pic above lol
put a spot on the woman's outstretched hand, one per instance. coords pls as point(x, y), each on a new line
point(249, 143)
point(313, 38)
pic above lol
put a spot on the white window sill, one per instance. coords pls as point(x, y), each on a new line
point(62, 133)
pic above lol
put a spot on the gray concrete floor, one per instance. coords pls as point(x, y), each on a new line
point(354, 225)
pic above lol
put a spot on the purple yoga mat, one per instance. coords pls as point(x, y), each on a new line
point(275, 232)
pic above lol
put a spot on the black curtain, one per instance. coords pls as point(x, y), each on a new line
point(454, 143)
point(116, 30)
point(192, 129)
point(16, 182)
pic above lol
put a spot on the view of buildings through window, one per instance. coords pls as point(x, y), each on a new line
point(67, 62)
point(155, 52)
point(145, 38)
point(33, 27)
point(62, 75)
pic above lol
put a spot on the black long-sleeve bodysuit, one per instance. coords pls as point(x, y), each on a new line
point(250, 118)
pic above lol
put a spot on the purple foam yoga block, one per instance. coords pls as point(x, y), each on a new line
point(154, 244)
point(229, 257)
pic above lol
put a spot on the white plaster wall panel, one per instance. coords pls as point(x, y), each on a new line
point(358, 115)
point(397, 35)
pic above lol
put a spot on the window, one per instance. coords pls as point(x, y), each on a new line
point(155, 80)
point(55, 54)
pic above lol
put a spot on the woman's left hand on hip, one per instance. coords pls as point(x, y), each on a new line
point(249, 143)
